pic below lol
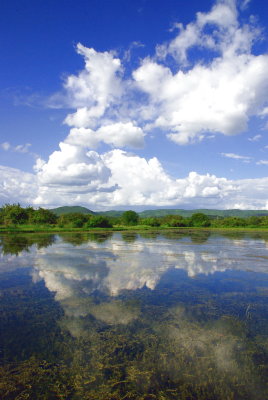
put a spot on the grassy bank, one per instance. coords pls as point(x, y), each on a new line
point(122, 228)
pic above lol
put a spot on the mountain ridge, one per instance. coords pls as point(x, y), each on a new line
point(163, 212)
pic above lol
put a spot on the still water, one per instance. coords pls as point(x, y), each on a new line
point(134, 316)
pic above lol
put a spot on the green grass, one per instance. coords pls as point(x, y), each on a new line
point(55, 229)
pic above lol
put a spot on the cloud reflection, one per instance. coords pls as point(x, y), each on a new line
point(116, 265)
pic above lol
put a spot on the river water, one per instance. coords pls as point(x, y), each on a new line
point(170, 315)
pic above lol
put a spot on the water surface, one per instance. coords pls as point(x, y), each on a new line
point(132, 316)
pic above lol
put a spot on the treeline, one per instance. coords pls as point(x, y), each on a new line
point(13, 215)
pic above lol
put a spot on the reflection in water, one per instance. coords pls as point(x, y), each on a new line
point(129, 237)
point(165, 317)
point(15, 243)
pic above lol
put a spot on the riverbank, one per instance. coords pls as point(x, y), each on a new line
point(122, 228)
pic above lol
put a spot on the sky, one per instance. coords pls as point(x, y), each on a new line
point(141, 104)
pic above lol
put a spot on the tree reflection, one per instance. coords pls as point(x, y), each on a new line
point(129, 237)
point(15, 244)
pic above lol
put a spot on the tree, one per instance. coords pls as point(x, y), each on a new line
point(43, 216)
point(130, 218)
point(14, 214)
point(200, 220)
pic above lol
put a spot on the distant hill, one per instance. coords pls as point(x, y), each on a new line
point(70, 209)
point(111, 213)
point(163, 212)
point(212, 213)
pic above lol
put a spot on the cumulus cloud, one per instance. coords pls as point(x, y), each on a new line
point(118, 134)
point(217, 92)
point(74, 175)
point(213, 96)
point(118, 178)
point(17, 185)
point(220, 97)
point(154, 185)
point(71, 174)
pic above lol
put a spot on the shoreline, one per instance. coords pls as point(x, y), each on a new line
point(134, 229)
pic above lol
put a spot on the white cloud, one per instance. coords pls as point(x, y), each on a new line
point(94, 88)
point(73, 166)
point(21, 148)
point(118, 134)
point(244, 4)
point(264, 112)
point(237, 157)
point(223, 17)
point(216, 98)
point(71, 174)
point(218, 93)
point(262, 162)
point(117, 179)
point(188, 102)
point(16, 185)
point(5, 146)
point(208, 97)
point(255, 138)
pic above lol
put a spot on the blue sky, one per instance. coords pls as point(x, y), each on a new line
point(141, 103)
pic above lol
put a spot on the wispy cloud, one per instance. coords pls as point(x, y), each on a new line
point(262, 162)
point(21, 148)
point(237, 157)
point(255, 138)
point(5, 146)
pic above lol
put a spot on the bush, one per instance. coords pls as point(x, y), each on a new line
point(233, 222)
point(99, 221)
point(174, 221)
point(150, 222)
point(75, 220)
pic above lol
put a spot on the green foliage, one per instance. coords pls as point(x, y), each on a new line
point(199, 220)
point(130, 218)
point(74, 220)
point(99, 221)
point(14, 214)
point(15, 244)
point(254, 220)
point(43, 216)
point(231, 222)
point(154, 222)
point(174, 221)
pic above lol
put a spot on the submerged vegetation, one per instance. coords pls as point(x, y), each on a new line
point(13, 216)
point(185, 339)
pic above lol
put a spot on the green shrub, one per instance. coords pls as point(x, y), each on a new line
point(99, 221)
